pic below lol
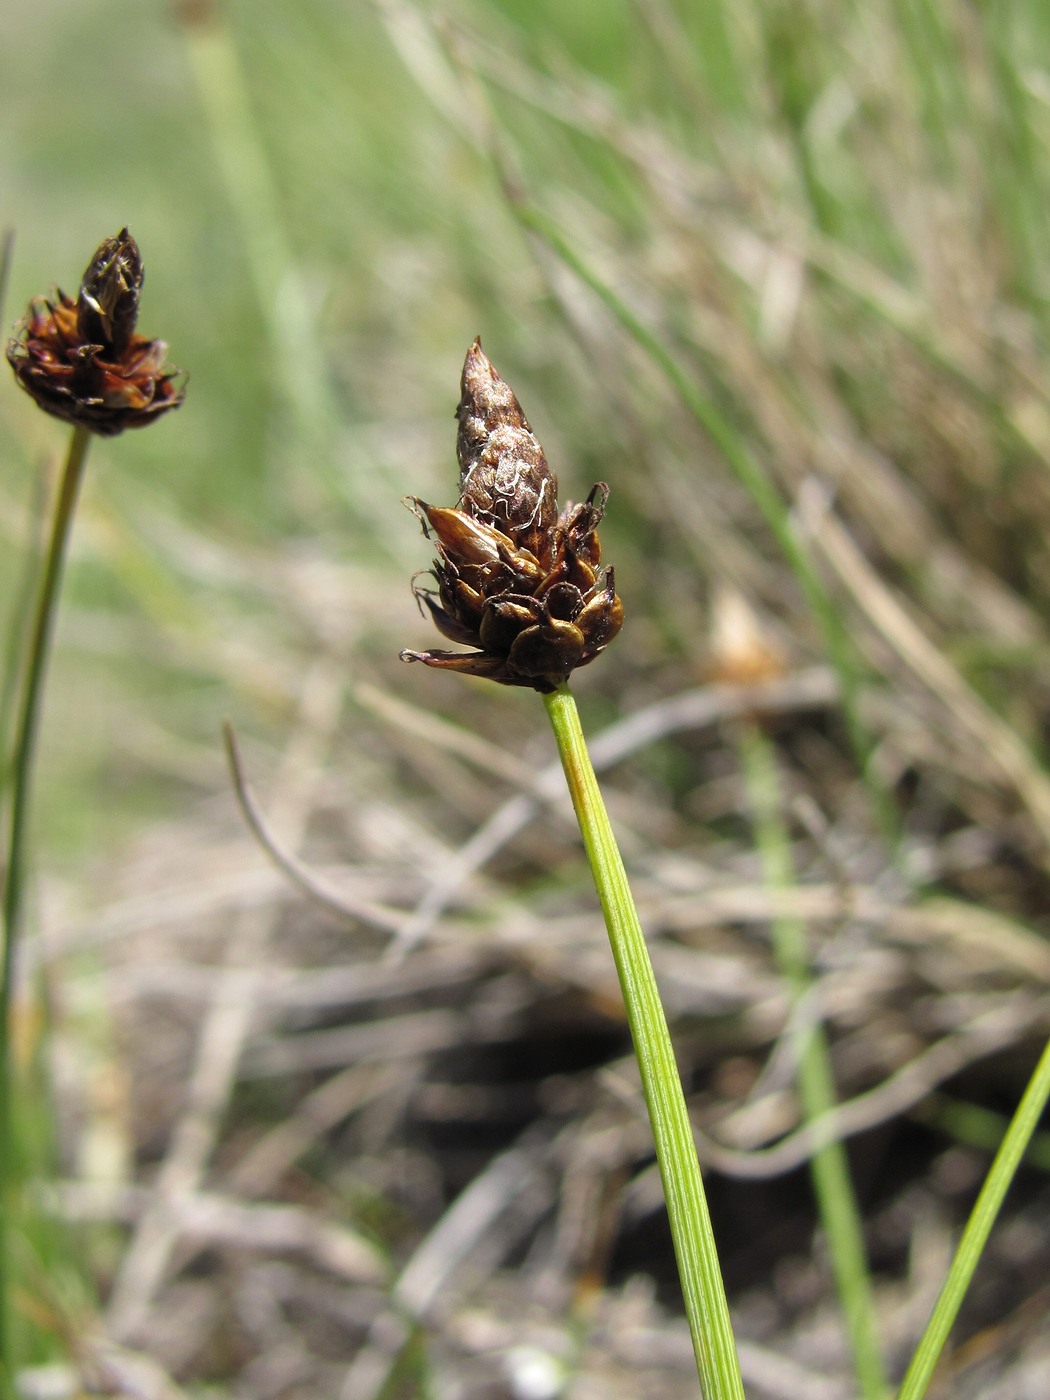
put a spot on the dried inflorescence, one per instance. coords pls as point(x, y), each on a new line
point(516, 579)
point(84, 362)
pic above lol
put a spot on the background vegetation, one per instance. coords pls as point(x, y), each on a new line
point(292, 1165)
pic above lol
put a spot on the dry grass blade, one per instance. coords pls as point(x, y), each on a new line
point(424, 1281)
point(992, 1031)
point(695, 709)
point(339, 905)
point(980, 725)
point(205, 1220)
point(222, 1033)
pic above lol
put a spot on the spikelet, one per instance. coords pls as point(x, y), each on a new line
point(82, 360)
point(515, 579)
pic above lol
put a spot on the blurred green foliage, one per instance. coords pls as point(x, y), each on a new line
point(316, 190)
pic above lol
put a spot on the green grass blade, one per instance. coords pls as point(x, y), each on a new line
point(978, 1228)
point(829, 1165)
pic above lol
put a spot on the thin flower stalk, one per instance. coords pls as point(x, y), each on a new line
point(26, 731)
point(702, 1286)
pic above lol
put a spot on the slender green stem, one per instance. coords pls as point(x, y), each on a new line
point(14, 881)
point(17, 629)
point(829, 1165)
point(702, 1286)
point(978, 1228)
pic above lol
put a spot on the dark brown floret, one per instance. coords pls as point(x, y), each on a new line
point(83, 361)
point(515, 579)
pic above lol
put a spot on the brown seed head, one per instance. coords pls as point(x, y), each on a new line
point(515, 579)
point(83, 361)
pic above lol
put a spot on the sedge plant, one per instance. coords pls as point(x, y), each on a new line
point(521, 582)
point(82, 360)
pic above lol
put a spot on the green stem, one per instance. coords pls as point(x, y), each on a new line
point(14, 881)
point(702, 1285)
point(22, 598)
point(978, 1228)
point(829, 1165)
